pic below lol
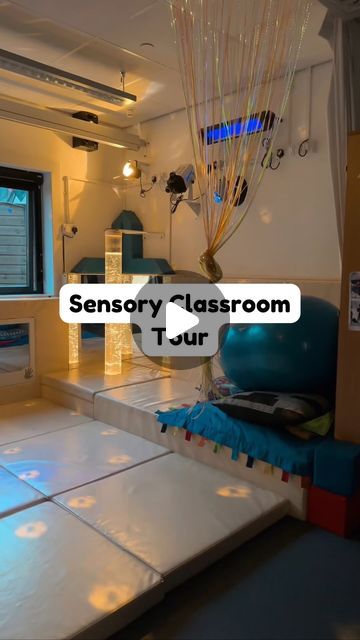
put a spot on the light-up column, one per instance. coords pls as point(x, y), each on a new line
point(74, 330)
point(118, 337)
point(127, 332)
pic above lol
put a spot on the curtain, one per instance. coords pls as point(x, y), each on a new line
point(344, 102)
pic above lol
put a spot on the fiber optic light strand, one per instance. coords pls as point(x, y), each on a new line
point(237, 58)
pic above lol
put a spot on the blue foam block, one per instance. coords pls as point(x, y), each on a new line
point(337, 467)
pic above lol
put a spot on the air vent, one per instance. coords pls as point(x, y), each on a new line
point(346, 9)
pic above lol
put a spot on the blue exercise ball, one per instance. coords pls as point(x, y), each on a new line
point(299, 357)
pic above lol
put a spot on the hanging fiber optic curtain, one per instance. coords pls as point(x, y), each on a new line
point(237, 62)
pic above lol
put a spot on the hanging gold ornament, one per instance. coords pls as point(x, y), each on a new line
point(210, 267)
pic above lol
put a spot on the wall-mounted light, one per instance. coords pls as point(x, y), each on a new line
point(131, 170)
point(246, 125)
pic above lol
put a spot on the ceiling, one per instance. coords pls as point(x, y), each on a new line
point(98, 40)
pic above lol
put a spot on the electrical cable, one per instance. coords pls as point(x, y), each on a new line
point(144, 191)
point(63, 254)
point(174, 203)
point(304, 146)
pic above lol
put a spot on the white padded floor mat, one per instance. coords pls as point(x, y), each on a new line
point(15, 494)
point(175, 514)
point(21, 420)
point(60, 578)
point(65, 459)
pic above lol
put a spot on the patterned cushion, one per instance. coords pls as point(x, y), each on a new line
point(310, 412)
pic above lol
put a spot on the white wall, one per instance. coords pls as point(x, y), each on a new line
point(92, 208)
point(290, 230)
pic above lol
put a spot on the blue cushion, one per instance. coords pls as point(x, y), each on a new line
point(270, 445)
point(337, 467)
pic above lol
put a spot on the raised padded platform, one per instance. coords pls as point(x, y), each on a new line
point(20, 420)
point(62, 460)
point(62, 579)
point(133, 409)
point(175, 514)
point(15, 494)
point(76, 388)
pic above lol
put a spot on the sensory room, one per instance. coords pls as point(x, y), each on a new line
point(179, 320)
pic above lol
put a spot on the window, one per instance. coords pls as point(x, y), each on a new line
point(21, 264)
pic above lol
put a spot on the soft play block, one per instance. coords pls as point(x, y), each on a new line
point(333, 512)
point(62, 579)
point(62, 460)
point(337, 467)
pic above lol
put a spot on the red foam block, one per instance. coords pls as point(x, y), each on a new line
point(333, 512)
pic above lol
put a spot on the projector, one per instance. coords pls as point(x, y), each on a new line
point(180, 180)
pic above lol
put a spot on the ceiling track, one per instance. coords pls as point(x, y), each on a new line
point(60, 122)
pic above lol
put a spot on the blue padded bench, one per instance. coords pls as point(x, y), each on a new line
point(274, 446)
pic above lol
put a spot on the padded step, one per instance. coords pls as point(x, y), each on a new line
point(86, 382)
point(133, 408)
point(175, 514)
point(15, 494)
point(61, 579)
point(62, 460)
point(21, 420)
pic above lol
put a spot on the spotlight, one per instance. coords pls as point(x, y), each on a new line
point(131, 169)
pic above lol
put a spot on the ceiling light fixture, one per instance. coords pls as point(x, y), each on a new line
point(57, 77)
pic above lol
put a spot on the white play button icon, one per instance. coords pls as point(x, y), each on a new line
point(178, 320)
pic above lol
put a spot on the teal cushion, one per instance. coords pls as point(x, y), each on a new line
point(277, 447)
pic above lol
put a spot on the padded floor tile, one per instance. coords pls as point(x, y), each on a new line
point(62, 460)
point(21, 420)
point(87, 381)
point(61, 578)
point(15, 494)
point(175, 514)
